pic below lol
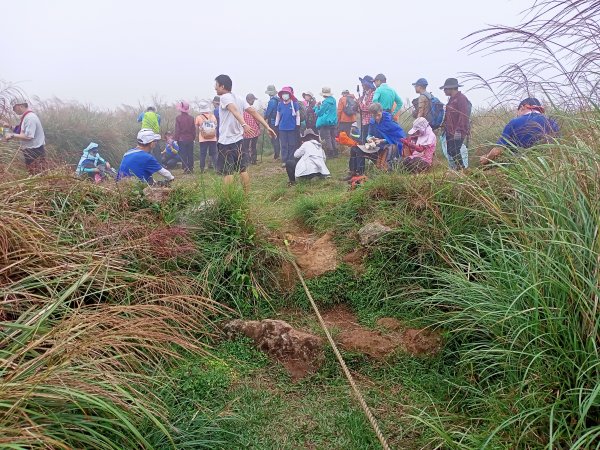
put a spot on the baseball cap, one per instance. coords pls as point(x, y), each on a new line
point(421, 82)
point(146, 136)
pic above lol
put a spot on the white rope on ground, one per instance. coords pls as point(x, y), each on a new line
point(339, 357)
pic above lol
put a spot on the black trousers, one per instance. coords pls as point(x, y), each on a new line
point(290, 168)
point(454, 146)
point(186, 153)
point(249, 146)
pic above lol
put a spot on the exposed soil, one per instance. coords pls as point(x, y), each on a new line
point(355, 260)
point(376, 344)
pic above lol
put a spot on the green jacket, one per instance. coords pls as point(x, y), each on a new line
point(386, 96)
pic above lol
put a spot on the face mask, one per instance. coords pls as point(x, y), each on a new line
point(285, 97)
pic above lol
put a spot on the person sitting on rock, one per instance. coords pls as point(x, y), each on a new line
point(384, 139)
point(309, 159)
point(170, 155)
point(419, 147)
point(530, 127)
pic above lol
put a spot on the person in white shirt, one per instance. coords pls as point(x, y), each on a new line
point(31, 136)
point(309, 159)
point(230, 157)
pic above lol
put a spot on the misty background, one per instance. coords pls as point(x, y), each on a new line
point(113, 52)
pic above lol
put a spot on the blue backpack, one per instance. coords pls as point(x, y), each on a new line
point(436, 112)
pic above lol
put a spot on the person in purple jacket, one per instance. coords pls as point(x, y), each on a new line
point(185, 133)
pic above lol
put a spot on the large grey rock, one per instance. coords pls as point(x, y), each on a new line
point(372, 232)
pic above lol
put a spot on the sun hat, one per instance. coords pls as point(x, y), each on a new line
point(287, 90)
point(308, 93)
point(309, 132)
point(368, 80)
point(183, 106)
point(251, 97)
point(369, 147)
point(271, 90)
point(451, 83)
point(420, 124)
point(205, 106)
point(421, 82)
point(380, 77)
point(326, 92)
point(146, 136)
point(345, 92)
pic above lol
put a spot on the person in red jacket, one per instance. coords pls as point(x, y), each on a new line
point(185, 134)
point(456, 120)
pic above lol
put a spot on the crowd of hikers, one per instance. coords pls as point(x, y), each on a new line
point(304, 133)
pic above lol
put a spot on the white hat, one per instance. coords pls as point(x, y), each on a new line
point(205, 106)
point(146, 136)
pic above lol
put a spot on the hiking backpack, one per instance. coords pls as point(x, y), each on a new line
point(208, 129)
point(436, 112)
point(351, 106)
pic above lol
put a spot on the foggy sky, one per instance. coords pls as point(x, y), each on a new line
point(117, 52)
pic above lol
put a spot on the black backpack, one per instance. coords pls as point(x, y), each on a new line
point(351, 106)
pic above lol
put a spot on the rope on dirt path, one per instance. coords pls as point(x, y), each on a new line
point(339, 357)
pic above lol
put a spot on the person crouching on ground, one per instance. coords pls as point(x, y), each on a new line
point(170, 155)
point(287, 121)
point(530, 127)
point(384, 137)
point(419, 147)
point(309, 159)
point(138, 162)
point(91, 164)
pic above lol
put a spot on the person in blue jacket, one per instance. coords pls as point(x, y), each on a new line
point(91, 164)
point(530, 127)
point(327, 122)
point(270, 117)
point(139, 163)
point(384, 139)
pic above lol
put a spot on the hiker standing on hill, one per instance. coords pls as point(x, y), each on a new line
point(530, 127)
point(346, 112)
point(422, 103)
point(456, 120)
point(150, 119)
point(326, 122)
point(31, 136)
point(185, 134)
point(230, 157)
point(388, 98)
point(364, 102)
point(207, 127)
point(287, 122)
point(251, 133)
point(311, 116)
point(270, 116)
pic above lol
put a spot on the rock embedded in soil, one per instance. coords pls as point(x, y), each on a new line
point(372, 232)
point(389, 324)
point(300, 353)
point(315, 258)
point(157, 194)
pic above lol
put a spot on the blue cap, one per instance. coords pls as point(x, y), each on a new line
point(421, 82)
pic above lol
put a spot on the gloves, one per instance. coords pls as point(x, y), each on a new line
point(457, 136)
